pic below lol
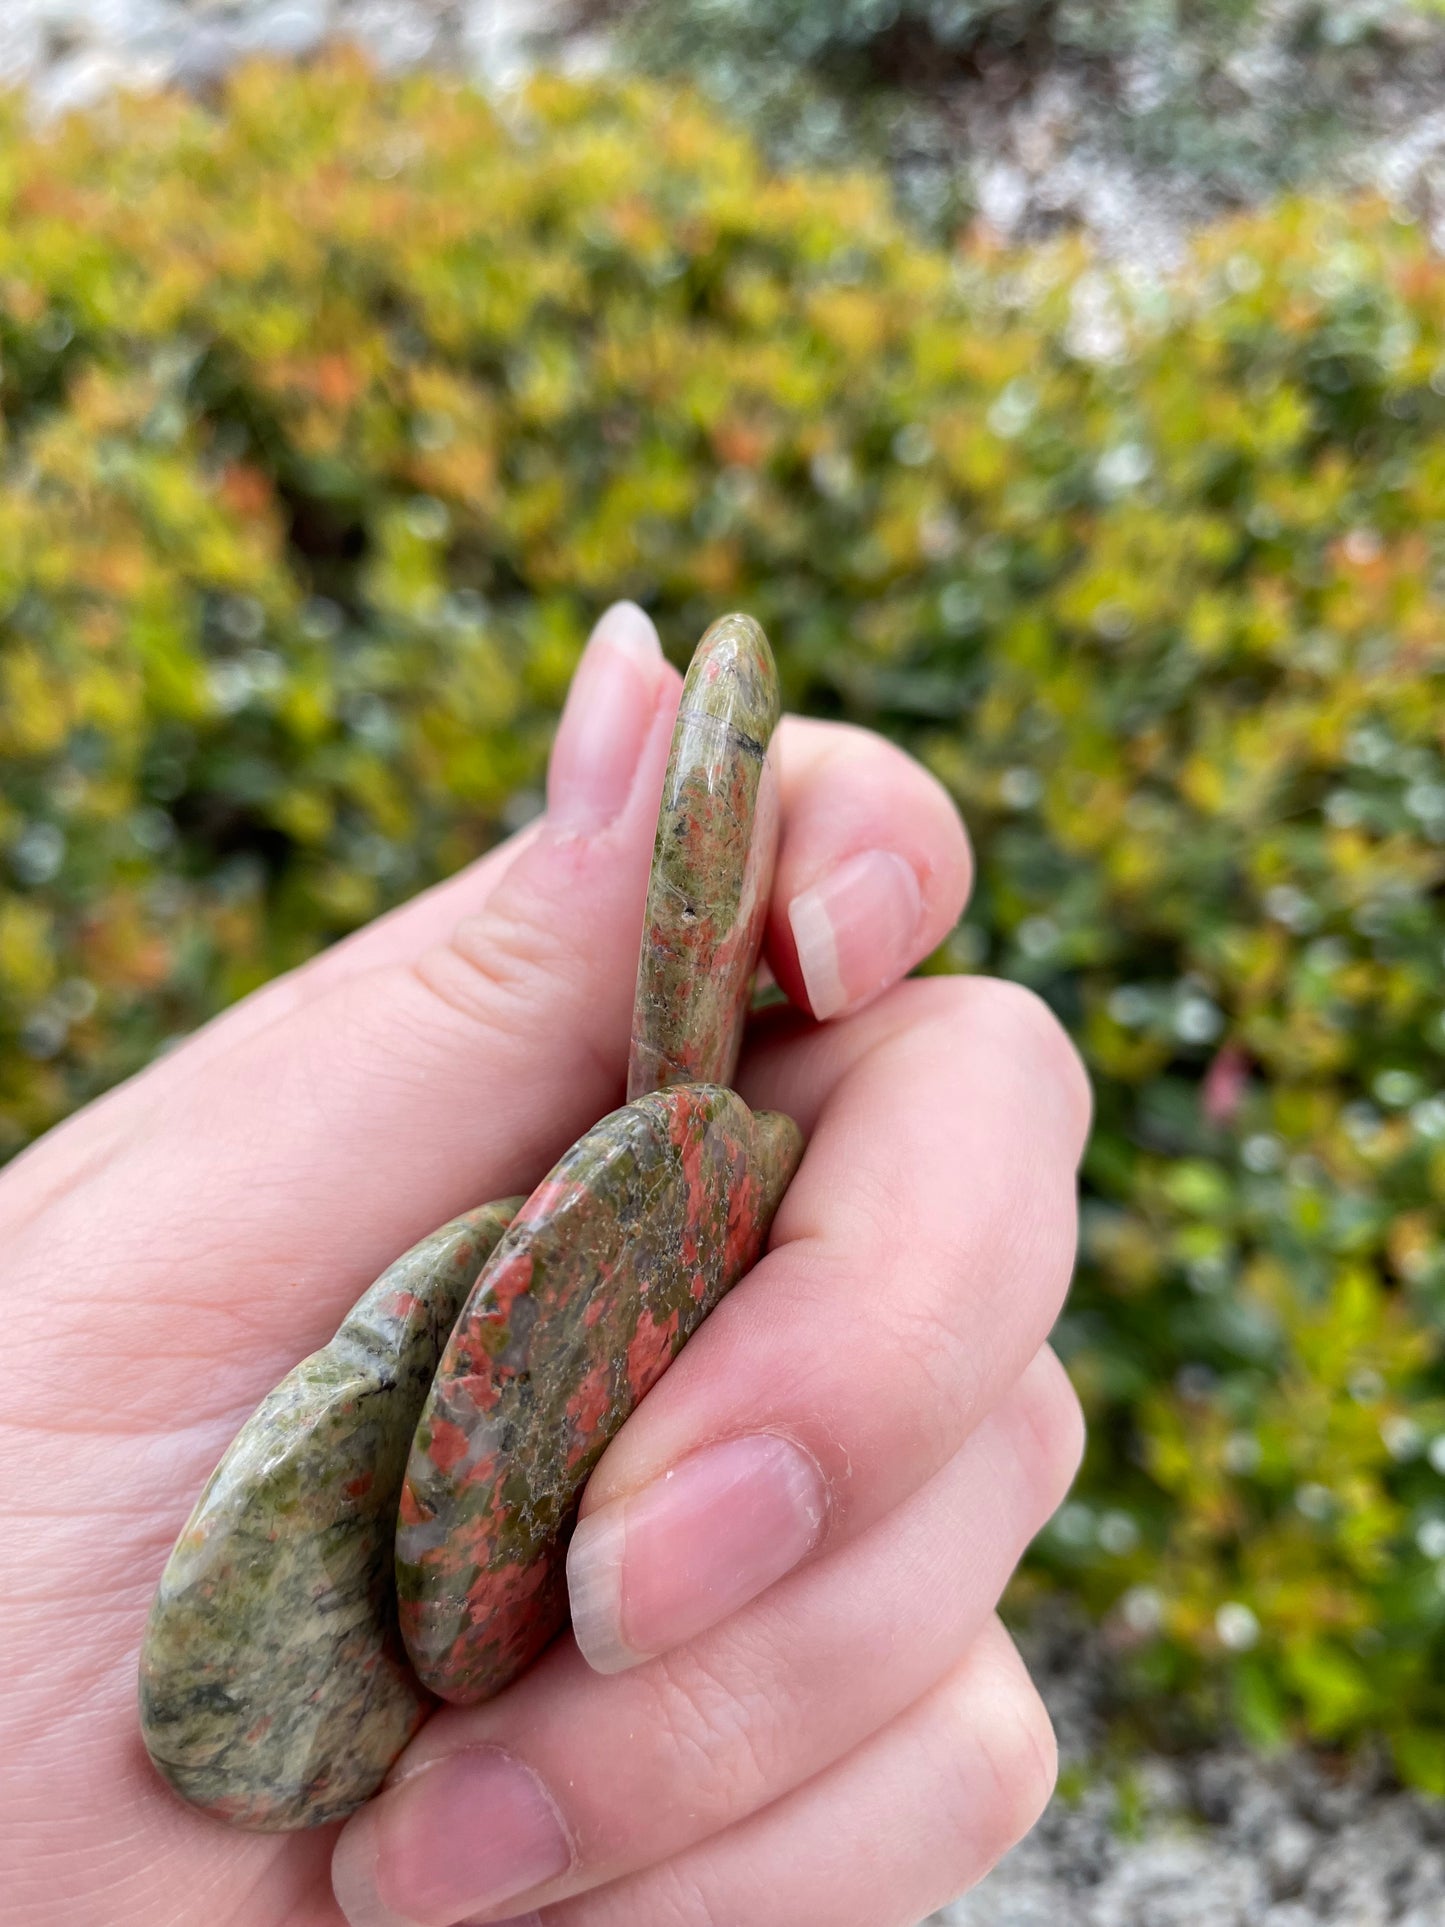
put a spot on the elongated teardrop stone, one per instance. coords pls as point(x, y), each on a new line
point(274, 1691)
point(609, 1266)
point(712, 866)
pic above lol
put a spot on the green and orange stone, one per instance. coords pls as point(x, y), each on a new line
point(608, 1268)
point(712, 866)
point(274, 1691)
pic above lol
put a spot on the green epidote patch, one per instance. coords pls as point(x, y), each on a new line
point(274, 1691)
point(609, 1266)
point(712, 866)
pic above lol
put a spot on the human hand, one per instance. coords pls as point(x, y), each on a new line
point(809, 1521)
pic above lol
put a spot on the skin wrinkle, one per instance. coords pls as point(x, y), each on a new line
point(716, 1725)
point(518, 1026)
point(1054, 1418)
point(264, 1011)
point(505, 957)
point(807, 751)
point(279, 1002)
point(82, 1175)
point(142, 1409)
point(362, 951)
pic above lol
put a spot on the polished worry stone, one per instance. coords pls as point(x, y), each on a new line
point(712, 866)
point(274, 1691)
point(609, 1266)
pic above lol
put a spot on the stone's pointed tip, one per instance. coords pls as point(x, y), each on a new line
point(256, 1704)
point(778, 1145)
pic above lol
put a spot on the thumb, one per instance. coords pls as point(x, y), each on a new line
point(312, 1149)
point(485, 1055)
point(532, 994)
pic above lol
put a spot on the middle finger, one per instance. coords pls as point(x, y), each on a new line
point(917, 1264)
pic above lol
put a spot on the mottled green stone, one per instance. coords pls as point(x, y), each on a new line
point(610, 1265)
point(274, 1690)
point(712, 866)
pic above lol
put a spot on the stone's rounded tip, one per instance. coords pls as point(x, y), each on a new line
point(740, 632)
point(778, 1149)
point(712, 866)
point(732, 675)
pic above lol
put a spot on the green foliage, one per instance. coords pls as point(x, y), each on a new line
point(331, 418)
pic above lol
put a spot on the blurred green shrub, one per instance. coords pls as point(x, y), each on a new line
point(332, 416)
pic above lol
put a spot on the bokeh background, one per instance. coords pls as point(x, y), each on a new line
point(1064, 388)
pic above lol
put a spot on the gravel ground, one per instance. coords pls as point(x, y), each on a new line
point(1222, 1839)
point(1046, 159)
point(71, 52)
point(1219, 1840)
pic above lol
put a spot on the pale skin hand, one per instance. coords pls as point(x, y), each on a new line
point(847, 1743)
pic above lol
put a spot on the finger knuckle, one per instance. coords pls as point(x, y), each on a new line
point(1037, 1042)
point(679, 1896)
point(489, 965)
point(953, 1326)
point(1004, 1774)
point(1051, 1433)
point(1023, 1755)
point(940, 1367)
point(499, 970)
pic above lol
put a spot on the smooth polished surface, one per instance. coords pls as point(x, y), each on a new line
point(610, 1265)
point(274, 1691)
point(712, 866)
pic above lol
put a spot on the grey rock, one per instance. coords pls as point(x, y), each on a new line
point(1289, 1853)
point(1225, 1838)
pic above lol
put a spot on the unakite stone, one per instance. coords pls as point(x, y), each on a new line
point(609, 1266)
point(712, 866)
point(274, 1690)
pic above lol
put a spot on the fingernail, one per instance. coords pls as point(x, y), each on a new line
point(462, 1837)
point(605, 721)
point(857, 930)
point(649, 1571)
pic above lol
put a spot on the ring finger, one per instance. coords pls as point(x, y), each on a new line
point(912, 1819)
